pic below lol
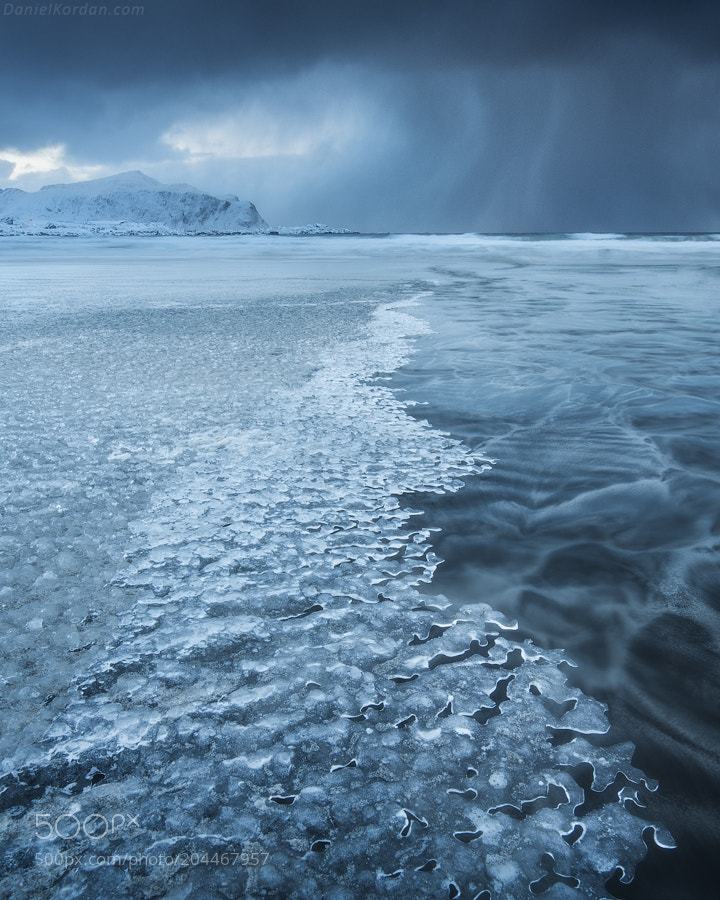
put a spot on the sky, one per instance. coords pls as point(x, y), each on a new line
point(402, 115)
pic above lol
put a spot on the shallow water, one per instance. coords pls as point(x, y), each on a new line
point(223, 610)
point(591, 372)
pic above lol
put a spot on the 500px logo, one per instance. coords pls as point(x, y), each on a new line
point(94, 826)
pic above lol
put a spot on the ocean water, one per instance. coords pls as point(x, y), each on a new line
point(591, 370)
point(235, 661)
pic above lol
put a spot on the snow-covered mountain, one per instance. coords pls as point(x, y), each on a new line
point(310, 230)
point(129, 203)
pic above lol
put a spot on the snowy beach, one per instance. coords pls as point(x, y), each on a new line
point(230, 470)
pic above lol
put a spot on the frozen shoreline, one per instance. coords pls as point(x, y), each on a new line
point(273, 662)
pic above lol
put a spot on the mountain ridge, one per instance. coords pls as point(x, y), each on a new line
point(127, 203)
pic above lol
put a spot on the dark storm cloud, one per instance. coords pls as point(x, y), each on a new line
point(522, 115)
point(201, 38)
